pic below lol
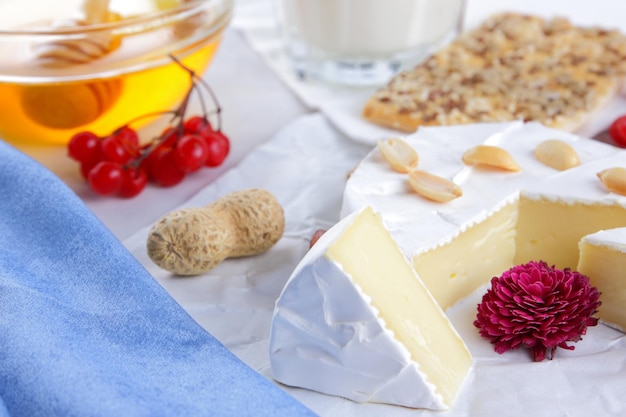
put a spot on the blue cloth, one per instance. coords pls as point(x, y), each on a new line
point(86, 331)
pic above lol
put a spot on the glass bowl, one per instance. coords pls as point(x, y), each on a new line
point(70, 65)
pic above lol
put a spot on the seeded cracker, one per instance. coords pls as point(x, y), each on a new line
point(512, 67)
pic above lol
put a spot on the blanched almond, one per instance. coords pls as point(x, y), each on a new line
point(400, 155)
point(492, 156)
point(614, 179)
point(433, 187)
point(557, 154)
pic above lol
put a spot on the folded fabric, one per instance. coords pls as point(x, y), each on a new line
point(86, 331)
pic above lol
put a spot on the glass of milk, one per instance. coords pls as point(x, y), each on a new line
point(365, 42)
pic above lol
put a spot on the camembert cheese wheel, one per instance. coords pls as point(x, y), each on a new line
point(503, 218)
point(334, 333)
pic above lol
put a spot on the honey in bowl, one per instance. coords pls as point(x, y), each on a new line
point(77, 79)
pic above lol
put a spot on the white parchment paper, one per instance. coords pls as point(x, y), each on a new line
point(305, 166)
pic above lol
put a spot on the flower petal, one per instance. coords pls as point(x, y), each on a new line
point(538, 307)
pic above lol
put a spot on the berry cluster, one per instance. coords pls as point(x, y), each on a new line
point(118, 164)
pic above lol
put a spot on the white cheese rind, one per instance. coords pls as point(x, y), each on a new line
point(326, 336)
point(612, 238)
point(333, 342)
point(418, 224)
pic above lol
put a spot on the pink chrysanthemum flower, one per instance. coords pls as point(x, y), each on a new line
point(537, 307)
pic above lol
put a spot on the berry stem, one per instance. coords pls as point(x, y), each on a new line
point(179, 112)
point(218, 108)
point(195, 80)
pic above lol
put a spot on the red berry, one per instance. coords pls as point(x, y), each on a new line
point(128, 136)
point(105, 178)
point(164, 169)
point(219, 147)
point(617, 131)
point(195, 124)
point(150, 152)
point(84, 146)
point(190, 153)
point(129, 139)
point(316, 236)
point(146, 163)
point(87, 166)
point(169, 137)
point(114, 150)
point(134, 180)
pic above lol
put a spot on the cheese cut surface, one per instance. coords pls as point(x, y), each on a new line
point(551, 230)
point(354, 320)
point(603, 260)
point(524, 230)
point(454, 270)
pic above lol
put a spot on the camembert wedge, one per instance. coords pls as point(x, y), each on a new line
point(368, 329)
